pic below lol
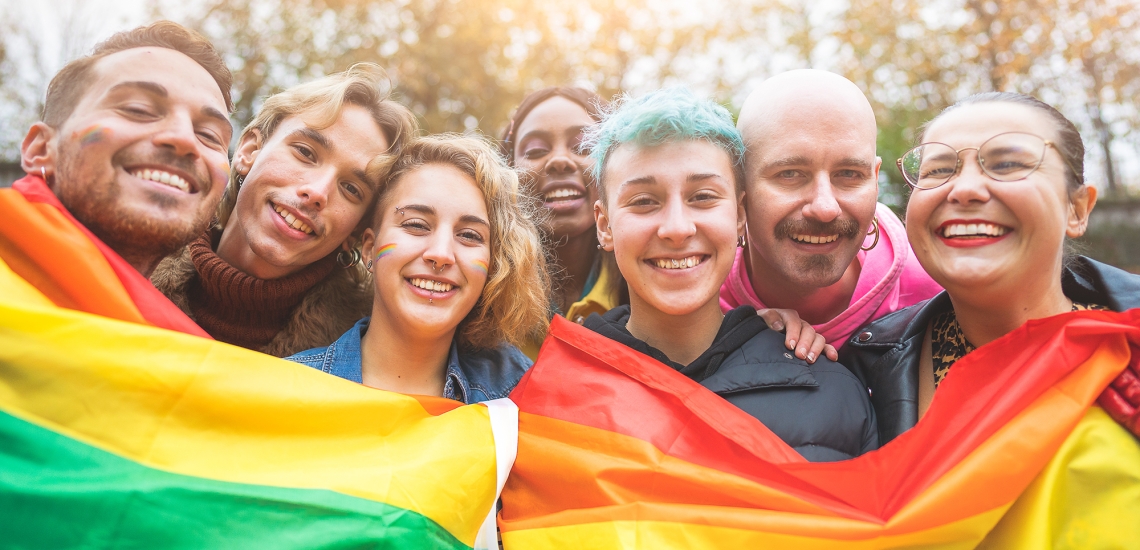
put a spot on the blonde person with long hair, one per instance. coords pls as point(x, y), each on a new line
point(458, 275)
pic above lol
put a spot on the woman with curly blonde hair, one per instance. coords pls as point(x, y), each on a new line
point(458, 273)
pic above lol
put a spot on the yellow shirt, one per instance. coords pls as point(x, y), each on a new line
point(600, 299)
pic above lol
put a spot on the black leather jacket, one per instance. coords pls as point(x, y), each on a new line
point(885, 354)
point(820, 410)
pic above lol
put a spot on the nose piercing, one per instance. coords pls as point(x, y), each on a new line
point(435, 266)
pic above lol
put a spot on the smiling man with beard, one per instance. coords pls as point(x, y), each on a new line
point(818, 240)
point(126, 165)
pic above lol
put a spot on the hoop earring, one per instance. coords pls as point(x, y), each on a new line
point(368, 266)
point(874, 231)
point(43, 174)
point(740, 242)
point(348, 258)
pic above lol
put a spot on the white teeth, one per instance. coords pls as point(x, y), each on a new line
point(974, 230)
point(562, 194)
point(162, 177)
point(682, 263)
point(815, 239)
point(292, 220)
point(435, 286)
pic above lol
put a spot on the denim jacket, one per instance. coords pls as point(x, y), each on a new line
point(472, 376)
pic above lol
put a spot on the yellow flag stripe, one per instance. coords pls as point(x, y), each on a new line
point(196, 407)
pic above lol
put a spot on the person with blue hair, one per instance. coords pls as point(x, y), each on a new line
point(669, 167)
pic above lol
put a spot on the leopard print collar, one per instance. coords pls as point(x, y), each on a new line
point(948, 344)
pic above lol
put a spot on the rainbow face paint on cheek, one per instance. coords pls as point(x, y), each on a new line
point(93, 135)
point(220, 171)
point(385, 250)
point(480, 265)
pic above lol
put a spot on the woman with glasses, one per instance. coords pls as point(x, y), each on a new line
point(998, 189)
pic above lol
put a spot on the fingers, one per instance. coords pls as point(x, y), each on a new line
point(1127, 385)
point(799, 336)
point(774, 318)
point(1120, 410)
point(811, 344)
point(787, 320)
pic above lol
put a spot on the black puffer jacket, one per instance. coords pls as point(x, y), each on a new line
point(885, 354)
point(820, 410)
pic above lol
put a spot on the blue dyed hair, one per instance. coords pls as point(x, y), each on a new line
point(664, 116)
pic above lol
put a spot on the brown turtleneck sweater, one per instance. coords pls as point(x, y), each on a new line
point(240, 309)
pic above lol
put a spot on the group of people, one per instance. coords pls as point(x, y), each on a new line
point(340, 237)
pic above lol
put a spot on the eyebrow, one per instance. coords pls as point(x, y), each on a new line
point(802, 160)
point(540, 132)
point(649, 180)
point(216, 114)
point(421, 208)
point(152, 87)
point(428, 210)
point(641, 180)
point(314, 136)
point(474, 219)
point(850, 162)
point(161, 91)
point(788, 161)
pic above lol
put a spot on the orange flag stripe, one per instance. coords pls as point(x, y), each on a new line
point(37, 241)
point(626, 488)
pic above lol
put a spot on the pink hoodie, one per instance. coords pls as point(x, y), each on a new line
point(890, 280)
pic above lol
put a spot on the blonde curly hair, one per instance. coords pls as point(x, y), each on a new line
point(514, 305)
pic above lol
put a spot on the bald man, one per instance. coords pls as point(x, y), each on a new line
point(818, 240)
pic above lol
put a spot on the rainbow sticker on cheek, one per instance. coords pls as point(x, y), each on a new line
point(93, 135)
point(385, 250)
point(481, 266)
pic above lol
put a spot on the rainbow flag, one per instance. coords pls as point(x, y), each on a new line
point(48, 248)
point(117, 434)
point(619, 451)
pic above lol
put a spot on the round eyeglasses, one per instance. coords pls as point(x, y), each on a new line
point(1010, 156)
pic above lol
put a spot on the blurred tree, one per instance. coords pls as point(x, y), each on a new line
point(914, 58)
point(458, 65)
point(1100, 41)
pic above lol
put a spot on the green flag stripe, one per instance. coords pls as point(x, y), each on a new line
point(56, 492)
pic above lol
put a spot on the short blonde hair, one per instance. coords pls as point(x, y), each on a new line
point(514, 305)
point(321, 101)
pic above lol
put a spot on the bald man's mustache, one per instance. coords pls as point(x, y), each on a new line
point(846, 228)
